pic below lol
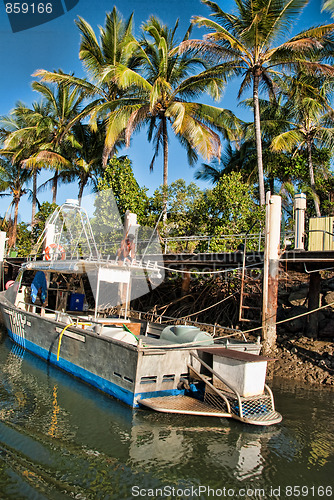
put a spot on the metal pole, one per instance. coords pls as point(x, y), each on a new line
point(300, 207)
point(2, 256)
point(97, 293)
point(272, 255)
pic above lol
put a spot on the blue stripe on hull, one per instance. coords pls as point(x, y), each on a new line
point(100, 383)
point(92, 379)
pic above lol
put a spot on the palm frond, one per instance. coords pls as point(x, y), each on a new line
point(287, 141)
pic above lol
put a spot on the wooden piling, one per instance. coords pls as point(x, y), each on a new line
point(185, 284)
point(270, 275)
point(314, 303)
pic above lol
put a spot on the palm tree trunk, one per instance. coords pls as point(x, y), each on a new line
point(54, 187)
point(12, 239)
point(312, 182)
point(82, 184)
point(165, 172)
point(34, 197)
point(257, 127)
point(271, 184)
point(107, 153)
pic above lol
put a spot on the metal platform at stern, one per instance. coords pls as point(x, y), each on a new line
point(184, 405)
point(187, 405)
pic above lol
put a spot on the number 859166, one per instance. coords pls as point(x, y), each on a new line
point(29, 8)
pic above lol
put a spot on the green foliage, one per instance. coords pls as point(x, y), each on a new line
point(118, 192)
point(119, 177)
point(46, 209)
point(180, 205)
point(229, 209)
point(181, 218)
point(23, 240)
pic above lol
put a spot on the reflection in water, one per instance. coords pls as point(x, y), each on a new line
point(60, 437)
point(53, 431)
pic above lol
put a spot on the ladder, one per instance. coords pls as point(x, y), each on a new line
point(250, 292)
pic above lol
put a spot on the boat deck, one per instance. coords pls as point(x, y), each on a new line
point(184, 405)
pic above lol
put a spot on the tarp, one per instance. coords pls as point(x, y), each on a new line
point(39, 282)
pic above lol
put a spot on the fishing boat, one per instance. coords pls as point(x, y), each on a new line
point(69, 306)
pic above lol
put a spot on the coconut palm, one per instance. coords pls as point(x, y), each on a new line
point(243, 45)
point(161, 95)
point(311, 120)
point(42, 136)
point(64, 104)
point(117, 46)
point(328, 5)
point(87, 166)
point(214, 171)
point(13, 179)
point(21, 139)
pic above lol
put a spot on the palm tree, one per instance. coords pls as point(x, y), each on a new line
point(13, 179)
point(117, 47)
point(311, 120)
point(21, 139)
point(243, 45)
point(328, 5)
point(159, 95)
point(64, 106)
point(214, 171)
point(87, 163)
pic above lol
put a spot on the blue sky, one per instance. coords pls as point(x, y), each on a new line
point(55, 45)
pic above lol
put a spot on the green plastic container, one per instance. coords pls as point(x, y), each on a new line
point(182, 334)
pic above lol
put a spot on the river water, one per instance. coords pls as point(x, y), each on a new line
point(62, 439)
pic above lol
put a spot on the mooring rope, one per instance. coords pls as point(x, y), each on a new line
point(206, 309)
point(220, 271)
point(239, 332)
point(291, 319)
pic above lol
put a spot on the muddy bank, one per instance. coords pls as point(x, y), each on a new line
point(298, 355)
point(303, 360)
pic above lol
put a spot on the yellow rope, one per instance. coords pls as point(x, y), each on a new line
point(64, 330)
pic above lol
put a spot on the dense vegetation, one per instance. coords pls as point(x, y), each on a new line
point(161, 82)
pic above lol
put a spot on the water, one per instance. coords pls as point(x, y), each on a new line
point(61, 439)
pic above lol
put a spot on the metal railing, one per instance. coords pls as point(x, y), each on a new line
point(324, 239)
point(227, 242)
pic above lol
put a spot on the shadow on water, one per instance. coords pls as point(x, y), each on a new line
point(62, 439)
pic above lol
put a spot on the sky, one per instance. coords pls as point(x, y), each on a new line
point(55, 45)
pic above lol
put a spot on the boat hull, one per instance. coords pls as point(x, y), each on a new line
point(118, 369)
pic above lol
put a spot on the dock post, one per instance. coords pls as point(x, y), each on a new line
point(299, 207)
point(270, 275)
point(314, 303)
point(185, 284)
point(2, 257)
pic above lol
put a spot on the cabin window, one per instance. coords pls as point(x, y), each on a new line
point(168, 378)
